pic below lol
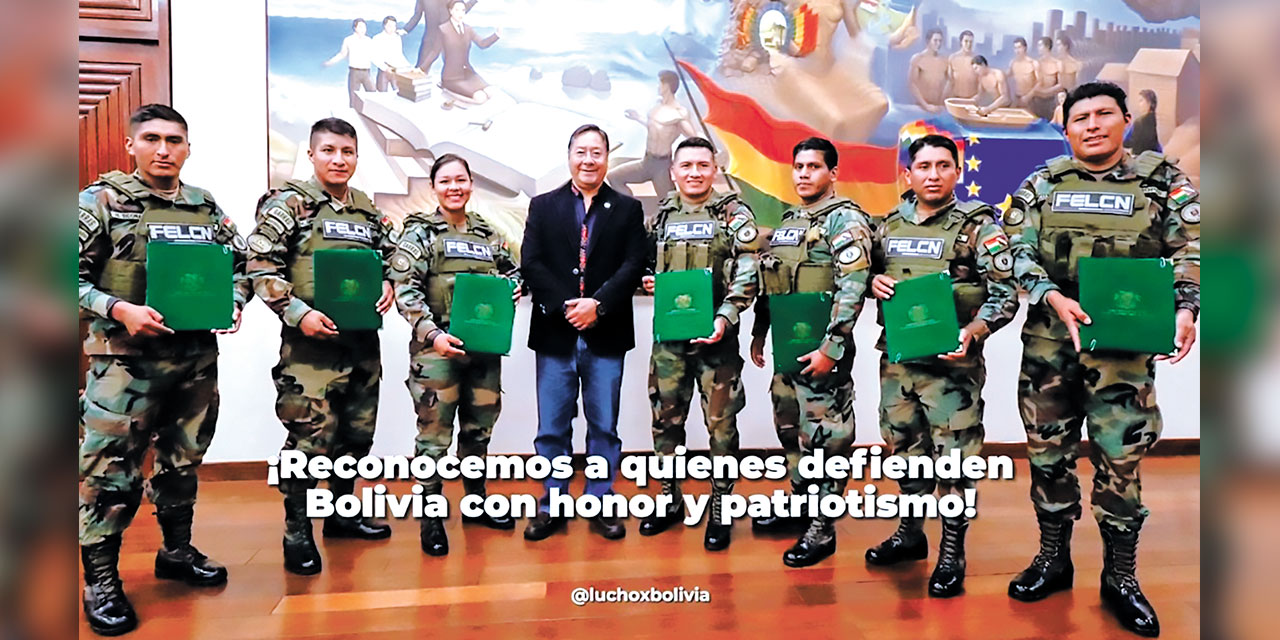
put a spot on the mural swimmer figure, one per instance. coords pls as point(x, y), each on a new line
point(666, 122)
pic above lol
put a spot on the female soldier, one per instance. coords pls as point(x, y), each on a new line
point(444, 379)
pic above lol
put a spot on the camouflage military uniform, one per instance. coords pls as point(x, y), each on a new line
point(142, 390)
point(327, 389)
point(1059, 388)
point(427, 258)
point(719, 235)
point(930, 406)
point(825, 246)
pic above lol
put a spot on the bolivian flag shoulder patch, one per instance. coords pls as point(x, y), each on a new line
point(1182, 195)
point(996, 243)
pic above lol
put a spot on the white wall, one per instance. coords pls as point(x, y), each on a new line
point(219, 84)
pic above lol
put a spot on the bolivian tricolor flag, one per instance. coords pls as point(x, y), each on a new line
point(759, 147)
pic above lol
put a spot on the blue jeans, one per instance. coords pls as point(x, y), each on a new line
point(559, 378)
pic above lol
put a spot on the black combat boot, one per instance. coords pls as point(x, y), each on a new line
point(718, 535)
point(818, 542)
point(907, 543)
point(435, 542)
point(300, 553)
point(178, 559)
point(781, 524)
point(360, 527)
point(105, 605)
point(1120, 590)
point(948, 577)
point(1051, 570)
point(658, 522)
point(475, 487)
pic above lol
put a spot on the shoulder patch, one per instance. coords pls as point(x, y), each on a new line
point(1013, 216)
point(410, 248)
point(1003, 261)
point(852, 259)
point(88, 221)
point(1182, 194)
point(842, 240)
point(995, 243)
point(1191, 213)
point(400, 262)
point(238, 242)
point(747, 234)
point(259, 243)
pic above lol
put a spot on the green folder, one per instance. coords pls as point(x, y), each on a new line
point(1130, 301)
point(920, 319)
point(482, 313)
point(190, 285)
point(348, 286)
point(799, 323)
point(683, 305)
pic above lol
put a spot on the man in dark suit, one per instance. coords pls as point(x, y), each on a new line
point(433, 13)
point(582, 259)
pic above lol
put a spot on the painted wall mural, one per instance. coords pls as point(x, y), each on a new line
point(503, 82)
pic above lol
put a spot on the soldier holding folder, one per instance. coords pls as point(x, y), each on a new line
point(822, 249)
point(699, 229)
point(931, 405)
point(1099, 203)
point(448, 378)
point(330, 368)
point(147, 383)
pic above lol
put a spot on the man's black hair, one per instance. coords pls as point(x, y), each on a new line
point(333, 125)
point(696, 142)
point(1093, 90)
point(829, 154)
point(588, 128)
point(156, 112)
point(933, 140)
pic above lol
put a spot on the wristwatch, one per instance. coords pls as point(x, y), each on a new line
point(600, 309)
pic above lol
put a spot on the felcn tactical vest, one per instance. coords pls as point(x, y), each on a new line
point(794, 265)
point(912, 250)
point(698, 239)
point(351, 227)
point(453, 252)
point(125, 276)
point(1102, 218)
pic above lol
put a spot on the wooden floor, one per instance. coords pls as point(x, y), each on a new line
point(495, 584)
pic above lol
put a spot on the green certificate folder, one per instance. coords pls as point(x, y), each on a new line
point(1130, 301)
point(920, 319)
point(482, 313)
point(190, 285)
point(682, 305)
point(348, 286)
point(799, 323)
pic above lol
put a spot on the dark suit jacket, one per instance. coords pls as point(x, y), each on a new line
point(615, 263)
point(457, 75)
point(435, 13)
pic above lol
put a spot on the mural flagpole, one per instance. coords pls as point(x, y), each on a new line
point(684, 82)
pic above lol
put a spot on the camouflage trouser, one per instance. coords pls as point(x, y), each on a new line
point(674, 367)
point(1057, 390)
point(327, 397)
point(470, 388)
point(928, 408)
point(130, 403)
point(814, 413)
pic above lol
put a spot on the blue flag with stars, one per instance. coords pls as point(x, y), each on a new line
point(993, 160)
